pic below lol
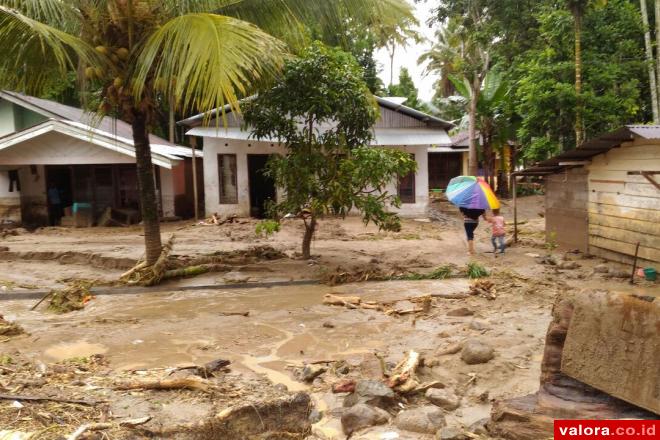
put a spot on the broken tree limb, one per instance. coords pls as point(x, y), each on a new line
point(334, 300)
point(450, 295)
point(183, 272)
point(131, 271)
point(89, 427)
point(48, 399)
point(186, 383)
point(43, 298)
point(403, 378)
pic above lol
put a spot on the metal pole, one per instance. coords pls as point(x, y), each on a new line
point(193, 147)
point(515, 210)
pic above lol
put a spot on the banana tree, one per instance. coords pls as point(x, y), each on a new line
point(192, 55)
point(489, 117)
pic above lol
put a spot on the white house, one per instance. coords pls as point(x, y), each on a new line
point(234, 161)
point(90, 160)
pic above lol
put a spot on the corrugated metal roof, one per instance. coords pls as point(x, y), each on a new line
point(591, 148)
point(197, 120)
point(56, 110)
point(382, 136)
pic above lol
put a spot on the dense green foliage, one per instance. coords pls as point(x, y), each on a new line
point(531, 43)
point(322, 112)
point(406, 88)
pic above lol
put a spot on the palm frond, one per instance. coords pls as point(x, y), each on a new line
point(61, 14)
point(33, 50)
point(462, 86)
point(290, 20)
point(203, 61)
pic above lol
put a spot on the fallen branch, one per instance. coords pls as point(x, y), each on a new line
point(186, 383)
point(450, 295)
point(89, 427)
point(49, 399)
point(403, 377)
point(44, 298)
point(246, 314)
point(134, 269)
point(347, 301)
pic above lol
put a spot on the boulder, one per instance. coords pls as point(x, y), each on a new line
point(362, 416)
point(424, 420)
point(370, 392)
point(462, 311)
point(311, 372)
point(451, 433)
point(444, 398)
point(477, 352)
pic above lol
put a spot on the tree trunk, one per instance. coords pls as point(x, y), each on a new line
point(579, 122)
point(473, 166)
point(147, 187)
point(657, 51)
point(307, 238)
point(649, 60)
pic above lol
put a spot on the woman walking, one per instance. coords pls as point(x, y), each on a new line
point(471, 222)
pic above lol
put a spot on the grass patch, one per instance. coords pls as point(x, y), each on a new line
point(476, 270)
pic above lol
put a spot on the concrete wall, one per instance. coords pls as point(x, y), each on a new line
point(215, 146)
point(10, 202)
point(566, 209)
point(34, 202)
point(625, 209)
point(167, 195)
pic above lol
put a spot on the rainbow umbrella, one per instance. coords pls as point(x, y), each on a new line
point(472, 193)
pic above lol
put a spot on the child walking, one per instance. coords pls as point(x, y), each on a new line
point(497, 224)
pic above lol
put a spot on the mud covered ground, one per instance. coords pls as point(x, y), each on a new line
point(269, 334)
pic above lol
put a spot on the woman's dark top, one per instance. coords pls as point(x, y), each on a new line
point(472, 215)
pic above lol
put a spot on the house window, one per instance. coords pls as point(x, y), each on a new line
point(406, 186)
point(227, 179)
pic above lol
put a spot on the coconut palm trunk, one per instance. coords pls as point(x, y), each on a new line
point(579, 116)
point(310, 228)
point(147, 187)
point(473, 167)
point(650, 60)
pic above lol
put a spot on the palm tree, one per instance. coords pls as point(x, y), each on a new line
point(492, 93)
point(578, 9)
point(650, 60)
point(444, 57)
point(192, 55)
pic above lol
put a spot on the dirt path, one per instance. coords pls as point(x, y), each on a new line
point(287, 327)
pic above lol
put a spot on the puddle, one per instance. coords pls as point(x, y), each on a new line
point(69, 350)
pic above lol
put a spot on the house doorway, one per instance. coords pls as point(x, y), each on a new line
point(58, 186)
point(442, 168)
point(262, 187)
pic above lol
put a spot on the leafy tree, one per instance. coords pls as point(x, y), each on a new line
point(490, 115)
point(614, 70)
point(194, 56)
point(406, 89)
point(322, 111)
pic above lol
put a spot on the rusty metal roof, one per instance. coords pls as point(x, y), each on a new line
point(591, 148)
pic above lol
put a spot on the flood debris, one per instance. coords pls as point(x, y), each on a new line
point(71, 298)
point(185, 383)
point(8, 328)
point(484, 288)
point(403, 379)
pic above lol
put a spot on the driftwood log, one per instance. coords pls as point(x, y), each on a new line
point(186, 383)
point(403, 378)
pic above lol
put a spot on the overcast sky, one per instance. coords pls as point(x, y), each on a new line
point(407, 56)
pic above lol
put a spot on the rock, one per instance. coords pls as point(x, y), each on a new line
point(568, 265)
point(444, 398)
point(424, 420)
point(328, 324)
point(341, 367)
point(479, 427)
point(601, 268)
point(371, 392)
point(311, 372)
point(450, 349)
point(462, 311)
point(4, 249)
point(478, 325)
point(451, 433)
point(444, 334)
point(477, 352)
point(615, 273)
point(281, 388)
point(315, 416)
point(344, 386)
point(362, 416)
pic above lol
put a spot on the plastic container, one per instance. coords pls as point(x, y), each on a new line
point(650, 274)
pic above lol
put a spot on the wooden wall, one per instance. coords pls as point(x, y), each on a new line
point(624, 209)
point(566, 215)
